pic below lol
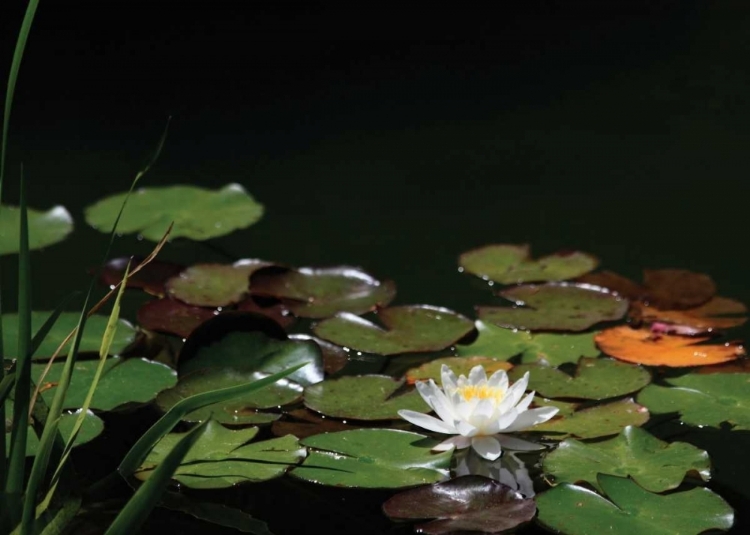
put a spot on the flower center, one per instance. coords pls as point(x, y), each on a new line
point(470, 392)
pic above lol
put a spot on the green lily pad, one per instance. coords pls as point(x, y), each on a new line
point(222, 458)
point(510, 264)
point(703, 399)
point(551, 349)
point(469, 503)
point(303, 423)
point(408, 329)
point(595, 378)
point(150, 278)
point(655, 465)
point(213, 285)
point(373, 458)
point(123, 382)
point(172, 317)
point(577, 510)
point(459, 365)
point(90, 342)
point(363, 397)
point(324, 292)
point(598, 421)
point(45, 228)
point(197, 213)
point(555, 307)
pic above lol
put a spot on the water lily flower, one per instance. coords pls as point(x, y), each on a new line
point(479, 411)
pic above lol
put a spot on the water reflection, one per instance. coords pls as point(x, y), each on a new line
point(508, 470)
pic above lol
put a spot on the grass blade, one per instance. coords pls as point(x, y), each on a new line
point(135, 512)
point(5, 385)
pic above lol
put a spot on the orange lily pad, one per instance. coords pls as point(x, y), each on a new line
point(643, 346)
point(704, 318)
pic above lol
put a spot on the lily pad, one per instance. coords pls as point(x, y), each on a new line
point(324, 292)
point(150, 278)
point(172, 317)
point(373, 458)
point(555, 307)
point(90, 342)
point(213, 285)
point(334, 357)
point(702, 319)
point(577, 510)
point(363, 397)
point(197, 213)
point(222, 458)
point(45, 228)
point(468, 503)
point(655, 465)
point(303, 423)
point(598, 421)
point(644, 346)
point(408, 329)
point(459, 365)
point(703, 399)
point(595, 378)
point(269, 308)
point(123, 382)
point(546, 348)
point(511, 264)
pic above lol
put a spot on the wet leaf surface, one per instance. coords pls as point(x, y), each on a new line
point(555, 307)
point(459, 365)
point(347, 459)
point(655, 465)
point(577, 510)
point(303, 423)
point(45, 228)
point(644, 346)
point(197, 213)
point(595, 378)
point(123, 382)
point(90, 341)
point(511, 264)
point(702, 319)
point(334, 357)
point(597, 421)
point(278, 312)
point(213, 285)
point(173, 317)
point(703, 399)
point(408, 329)
point(363, 397)
point(222, 458)
point(468, 503)
point(150, 279)
point(323, 292)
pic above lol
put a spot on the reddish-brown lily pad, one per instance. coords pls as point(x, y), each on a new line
point(702, 319)
point(408, 329)
point(475, 504)
point(555, 307)
point(644, 346)
point(172, 317)
point(150, 279)
point(275, 310)
point(323, 292)
point(213, 285)
point(511, 264)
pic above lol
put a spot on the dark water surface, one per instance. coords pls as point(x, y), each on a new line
point(397, 140)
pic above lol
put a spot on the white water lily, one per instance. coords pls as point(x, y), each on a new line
point(479, 411)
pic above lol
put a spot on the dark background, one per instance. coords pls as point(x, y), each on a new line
point(396, 138)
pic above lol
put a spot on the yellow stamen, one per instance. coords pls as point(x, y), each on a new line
point(470, 392)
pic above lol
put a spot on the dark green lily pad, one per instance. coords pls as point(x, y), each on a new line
point(459, 365)
point(323, 292)
point(703, 399)
point(598, 421)
point(151, 278)
point(363, 397)
point(468, 503)
point(595, 378)
point(655, 465)
point(45, 228)
point(555, 307)
point(373, 458)
point(408, 329)
point(546, 348)
point(334, 357)
point(172, 317)
point(213, 285)
point(123, 382)
point(511, 264)
point(90, 342)
point(222, 458)
point(579, 511)
point(303, 423)
point(197, 213)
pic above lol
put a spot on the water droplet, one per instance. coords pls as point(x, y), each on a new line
point(460, 270)
point(139, 237)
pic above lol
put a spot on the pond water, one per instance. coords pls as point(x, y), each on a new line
point(623, 134)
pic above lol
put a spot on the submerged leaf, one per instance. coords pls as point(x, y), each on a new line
point(45, 228)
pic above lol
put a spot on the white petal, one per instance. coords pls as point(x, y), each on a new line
point(530, 418)
point(477, 375)
point(465, 429)
point(501, 422)
point(487, 447)
point(448, 377)
point(457, 442)
point(515, 392)
point(484, 409)
point(426, 421)
point(437, 400)
point(498, 380)
point(525, 402)
point(518, 444)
